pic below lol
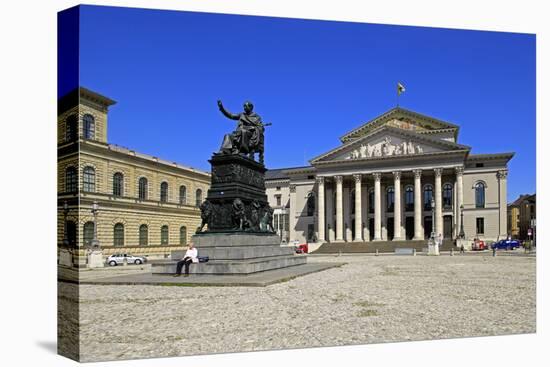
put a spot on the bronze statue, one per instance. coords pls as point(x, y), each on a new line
point(266, 223)
point(206, 215)
point(248, 137)
point(238, 215)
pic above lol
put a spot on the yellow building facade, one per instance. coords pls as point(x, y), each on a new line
point(146, 205)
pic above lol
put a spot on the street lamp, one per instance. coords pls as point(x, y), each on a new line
point(65, 213)
point(95, 210)
point(461, 234)
point(432, 203)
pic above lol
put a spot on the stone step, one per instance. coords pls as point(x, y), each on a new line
point(248, 266)
point(238, 252)
point(381, 246)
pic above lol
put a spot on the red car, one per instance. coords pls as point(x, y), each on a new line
point(479, 245)
point(302, 249)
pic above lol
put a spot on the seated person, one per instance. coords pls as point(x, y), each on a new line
point(189, 257)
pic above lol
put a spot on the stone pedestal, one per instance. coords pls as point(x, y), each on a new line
point(433, 248)
point(65, 257)
point(95, 259)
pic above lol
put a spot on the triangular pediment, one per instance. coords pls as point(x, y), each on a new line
point(388, 141)
point(402, 119)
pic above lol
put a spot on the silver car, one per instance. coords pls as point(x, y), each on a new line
point(118, 259)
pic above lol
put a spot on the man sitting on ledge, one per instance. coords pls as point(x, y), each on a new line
point(190, 257)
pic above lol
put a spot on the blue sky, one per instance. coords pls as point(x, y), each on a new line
point(314, 80)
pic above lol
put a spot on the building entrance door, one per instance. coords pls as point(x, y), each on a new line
point(371, 229)
point(389, 227)
point(427, 227)
point(409, 227)
point(448, 226)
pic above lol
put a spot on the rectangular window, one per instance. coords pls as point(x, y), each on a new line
point(479, 165)
point(480, 225)
point(278, 198)
point(278, 188)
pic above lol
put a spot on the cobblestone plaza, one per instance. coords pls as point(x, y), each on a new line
point(371, 299)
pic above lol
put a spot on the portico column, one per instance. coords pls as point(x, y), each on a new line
point(397, 206)
point(377, 208)
point(438, 203)
point(339, 209)
point(418, 230)
point(292, 213)
point(358, 216)
point(503, 217)
point(320, 209)
point(459, 194)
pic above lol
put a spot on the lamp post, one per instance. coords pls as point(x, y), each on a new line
point(65, 213)
point(432, 203)
point(461, 234)
point(95, 210)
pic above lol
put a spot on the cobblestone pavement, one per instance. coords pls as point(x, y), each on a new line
point(369, 300)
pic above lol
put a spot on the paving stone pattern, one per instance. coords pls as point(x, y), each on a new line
point(369, 300)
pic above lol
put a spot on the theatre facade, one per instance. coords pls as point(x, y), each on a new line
point(393, 179)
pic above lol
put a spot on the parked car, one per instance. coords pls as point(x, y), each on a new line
point(302, 249)
point(479, 245)
point(118, 259)
point(506, 245)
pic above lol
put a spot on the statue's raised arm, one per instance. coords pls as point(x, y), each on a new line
point(226, 113)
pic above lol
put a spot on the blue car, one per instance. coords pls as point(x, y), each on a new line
point(506, 245)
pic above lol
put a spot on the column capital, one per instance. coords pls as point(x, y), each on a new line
point(320, 180)
point(459, 170)
point(377, 176)
point(338, 179)
point(357, 178)
point(292, 188)
point(397, 175)
point(502, 174)
point(417, 173)
point(438, 172)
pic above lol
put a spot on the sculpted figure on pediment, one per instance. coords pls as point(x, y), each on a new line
point(410, 147)
point(419, 149)
point(363, 151)
point(404, 147)
point(370, 150)
point(378, 151)
point(398, 150)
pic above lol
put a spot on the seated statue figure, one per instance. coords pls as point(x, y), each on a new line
point(248, 137)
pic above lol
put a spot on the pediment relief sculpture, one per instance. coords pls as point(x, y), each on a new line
point(385, 149)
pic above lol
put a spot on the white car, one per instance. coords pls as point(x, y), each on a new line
point(118, 259)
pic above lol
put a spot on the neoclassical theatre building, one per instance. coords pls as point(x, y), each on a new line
point(146, 205)
point(378, 186)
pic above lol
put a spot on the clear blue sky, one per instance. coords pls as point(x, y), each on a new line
point(314, 80)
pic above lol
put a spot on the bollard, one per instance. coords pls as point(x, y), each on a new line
point(339, 253)
point(414, 252)
point(125, 262)
point(376, 254)
point(494, 251)
point(452, 252)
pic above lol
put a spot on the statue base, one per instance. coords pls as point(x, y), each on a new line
point(433, 248)
point(236, 199)
point(95, 259)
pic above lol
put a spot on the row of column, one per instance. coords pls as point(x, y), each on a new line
point(398, 235)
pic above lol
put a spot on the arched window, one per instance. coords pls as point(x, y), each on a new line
point(198, 197)
point(142, 191)
point(118, 183)
point(164, 192)
point(480, 195)
point(371, 201)
point(71, 179)
point(183, 195)
point(88, 123)
point(88, 177)
point(143, 235)
point(88, 233)
point(164, 235)
point(409, 198)
point(118, 234)
point(390, 198)
point(71, 128)
point(447, 195)
point(428, 195)
point(183, 235)
point(71, 233)
point(310, 204)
